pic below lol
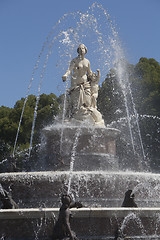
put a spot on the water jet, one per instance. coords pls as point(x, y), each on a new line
point(80, 155)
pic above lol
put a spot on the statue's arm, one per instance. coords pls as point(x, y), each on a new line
point(68, 72)
point(98, 73)
point(75, 205)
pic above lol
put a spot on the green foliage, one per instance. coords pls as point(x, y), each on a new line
point(48, 108)
point(147, 84)
point(144, 78)
point(110, 99)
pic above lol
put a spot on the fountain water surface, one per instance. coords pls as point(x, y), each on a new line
point(79, 155)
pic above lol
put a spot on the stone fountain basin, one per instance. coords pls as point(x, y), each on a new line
point(99, 212)
point(92, 223)
point(38, 195)
point(92, 188)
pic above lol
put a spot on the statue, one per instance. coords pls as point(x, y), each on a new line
point(94, 80)
point(62, 229)
point(129, 200)
point(84, 89)
point(6, 199)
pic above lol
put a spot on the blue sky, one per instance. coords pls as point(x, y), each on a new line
point(25, 24)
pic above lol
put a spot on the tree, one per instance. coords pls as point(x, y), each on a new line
point(144, 79)
point(48, 108)
point(147, 85)
point(110, 98)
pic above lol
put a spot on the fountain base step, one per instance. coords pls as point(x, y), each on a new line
point(88, 223)
point(92, 188)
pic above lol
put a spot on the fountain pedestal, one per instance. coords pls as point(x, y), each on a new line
point(91, 148)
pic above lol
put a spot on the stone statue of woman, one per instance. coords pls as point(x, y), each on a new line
point(80, 90)
point(81, 104)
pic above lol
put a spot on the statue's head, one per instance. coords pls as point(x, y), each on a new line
point(81, 46)
point(66, 199)
point(128, 193)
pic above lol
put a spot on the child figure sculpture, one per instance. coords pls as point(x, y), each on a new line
point(94, 80)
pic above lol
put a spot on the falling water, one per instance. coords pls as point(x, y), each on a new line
point(137, 122)
point(73, 157)
point(45, 44)
point(157, 224)
point(90, 22)
point(63, 116)
point(3, 161)
point(123, 78)
point(99, 32)
point(36, 106)
point(39, 88)
point(29, 87)
point(26, 98)
point(136, 219)
point(74, 42)
point(38, 228)
point(120, 78)
point(3, 237)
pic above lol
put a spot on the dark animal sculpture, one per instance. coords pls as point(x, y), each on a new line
point(129, 200)
point(62, 229)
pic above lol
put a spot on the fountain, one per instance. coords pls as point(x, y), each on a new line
point(80, 159)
